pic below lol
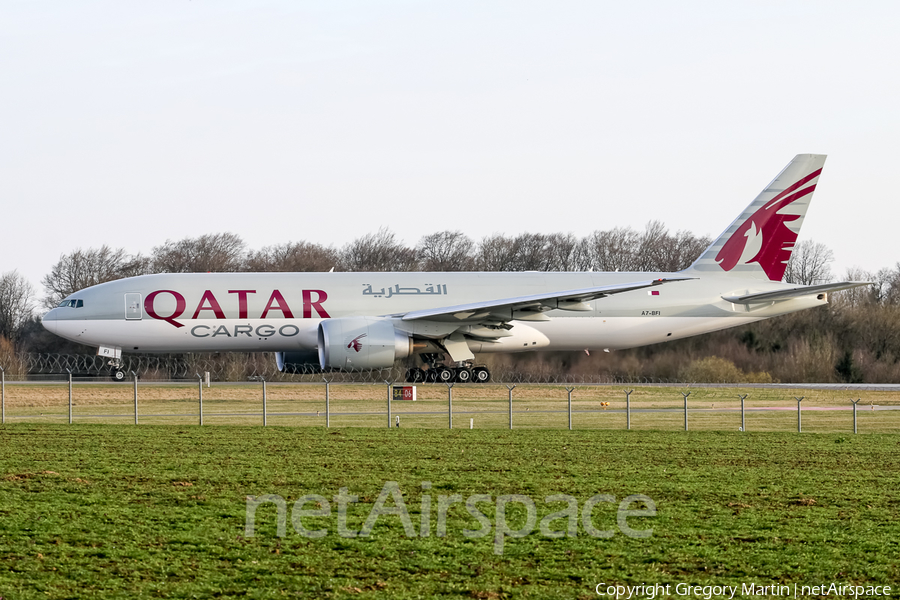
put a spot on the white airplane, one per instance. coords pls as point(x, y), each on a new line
point(348, 321)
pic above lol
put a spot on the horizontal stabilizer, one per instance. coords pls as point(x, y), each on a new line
point(797, 292)
point(505, 308)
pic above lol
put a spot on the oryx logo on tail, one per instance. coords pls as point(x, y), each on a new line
point(765, 238)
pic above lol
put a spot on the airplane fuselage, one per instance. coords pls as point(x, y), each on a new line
point(277, 312)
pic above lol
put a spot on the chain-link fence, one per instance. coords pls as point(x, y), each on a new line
point(328, 403)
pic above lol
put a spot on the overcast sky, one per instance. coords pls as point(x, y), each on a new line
point(128, 123)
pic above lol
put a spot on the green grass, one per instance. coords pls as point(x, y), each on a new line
point(159, 511)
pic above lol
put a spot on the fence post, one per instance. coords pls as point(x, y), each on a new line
point(389, 398)
point(133, 374)
point(265, 408)
point(743, 425)
point(3, 394)
point(799, 421)
point(510, 388)
point(449, 405)
point(200, 387)
point(70, 396)
point(327, 403)
point(685, 409)
point(855, 402)
point(628, 408)
point(570, 390)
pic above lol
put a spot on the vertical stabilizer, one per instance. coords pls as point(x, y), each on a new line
point(760, 241)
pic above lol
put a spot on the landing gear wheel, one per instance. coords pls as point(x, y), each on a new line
point(444, 375)
point(431, 375)
point(415, 375)
point(481, 375)
point(463, 375)
point(118, 375)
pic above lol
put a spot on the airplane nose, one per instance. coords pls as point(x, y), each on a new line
point(49, 321)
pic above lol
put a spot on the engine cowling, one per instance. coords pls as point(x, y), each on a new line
point(304, 361)
point(361, 343)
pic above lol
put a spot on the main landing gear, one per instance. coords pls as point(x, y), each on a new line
point(436, 372)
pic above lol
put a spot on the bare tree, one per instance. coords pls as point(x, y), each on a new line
point(293, 257)
point(611, 250)
point(496, 253)
point(209, 253)
point(84, 268)
point(679, 251)
point(378, 252)
point(16, 305)
point(651, 246)
point(562, 252)
point(530, 251)
point(858, 296)
point(887, 285)
point(809, 264)
point(446, 251)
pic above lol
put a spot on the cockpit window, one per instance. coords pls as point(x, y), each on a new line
point(71, 304)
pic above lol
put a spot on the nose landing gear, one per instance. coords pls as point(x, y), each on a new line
point(117, 373)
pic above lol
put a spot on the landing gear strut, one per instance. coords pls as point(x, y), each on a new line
point(436, 371)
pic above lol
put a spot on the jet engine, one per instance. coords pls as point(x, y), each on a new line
point(303, 361)
point(361, 343)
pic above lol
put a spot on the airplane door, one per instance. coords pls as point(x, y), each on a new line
point(133, 307)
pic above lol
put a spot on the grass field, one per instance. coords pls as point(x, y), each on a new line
point(159, 511)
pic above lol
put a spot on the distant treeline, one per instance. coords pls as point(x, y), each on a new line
point(856, 338)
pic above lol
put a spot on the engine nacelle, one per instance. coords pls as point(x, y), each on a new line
point(302, 361)
point(361, 343)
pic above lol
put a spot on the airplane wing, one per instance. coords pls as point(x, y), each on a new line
point(796, 292)
point(529, 307)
